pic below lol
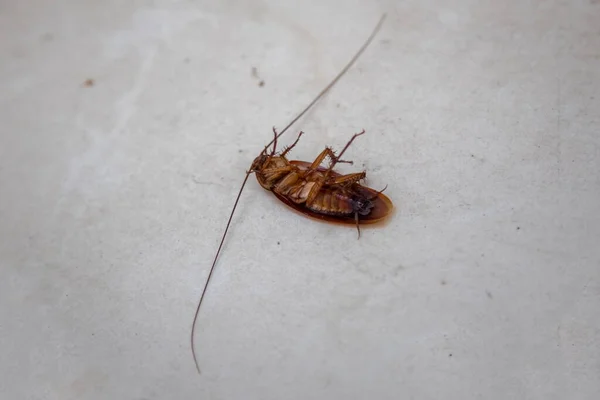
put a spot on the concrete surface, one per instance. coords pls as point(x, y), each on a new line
point(126, 128)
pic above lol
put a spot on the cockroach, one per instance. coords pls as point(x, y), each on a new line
point(316, 191)
point(320, 192)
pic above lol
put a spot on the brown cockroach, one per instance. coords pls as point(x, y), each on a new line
point(316, 191)
point(320, 192)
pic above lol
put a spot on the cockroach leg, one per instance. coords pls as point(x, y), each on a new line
point(313, 167)
point(274, 142)
point(337, 159)
point(328, 152)
point(314, 191)
point(347, 179)
point(357, 225)
point(289, 148)
point(274, 174)
point(344, 162)
point(378, 193)
point(333, 158)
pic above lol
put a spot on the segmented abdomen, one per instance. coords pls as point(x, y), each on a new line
point(332, 202)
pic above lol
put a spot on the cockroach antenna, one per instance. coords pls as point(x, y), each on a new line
point(276, 136)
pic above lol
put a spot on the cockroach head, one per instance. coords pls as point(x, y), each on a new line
point(259, 162)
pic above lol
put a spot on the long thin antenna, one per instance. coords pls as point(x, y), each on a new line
point(334, 81)
point(308, 107)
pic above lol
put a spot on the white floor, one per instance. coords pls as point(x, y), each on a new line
point(126, 129)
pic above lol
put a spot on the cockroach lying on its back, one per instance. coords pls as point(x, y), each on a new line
point(310, 188)
point(321, 192)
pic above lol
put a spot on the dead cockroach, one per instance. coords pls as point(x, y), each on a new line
point(310, 188)
point(320, 192)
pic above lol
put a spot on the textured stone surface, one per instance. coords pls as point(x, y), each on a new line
point(126, 128)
